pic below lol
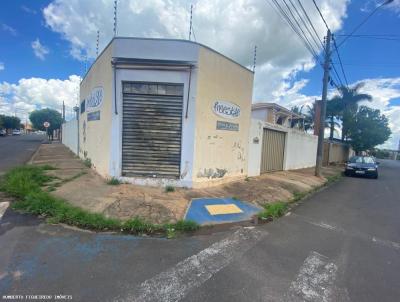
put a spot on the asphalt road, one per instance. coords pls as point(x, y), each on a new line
point(342, 244)
point(18, 149)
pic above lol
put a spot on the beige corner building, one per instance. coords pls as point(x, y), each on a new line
point(158, 112)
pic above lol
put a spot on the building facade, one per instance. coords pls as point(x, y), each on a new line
point(159, 111)
point(277, 141)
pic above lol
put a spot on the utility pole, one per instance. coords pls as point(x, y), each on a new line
point(327, 63)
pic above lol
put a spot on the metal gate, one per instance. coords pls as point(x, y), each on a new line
point(273, 150)
point(151, 129)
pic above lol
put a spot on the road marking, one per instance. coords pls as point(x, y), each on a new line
point(355, 234)
point(174, 283)
point(315, 281)
point(3, 207)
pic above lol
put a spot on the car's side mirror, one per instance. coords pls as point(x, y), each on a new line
point(378, 162)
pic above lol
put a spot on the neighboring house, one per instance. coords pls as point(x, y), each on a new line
point(275, 114)
point(164, 111)
point(277, 140)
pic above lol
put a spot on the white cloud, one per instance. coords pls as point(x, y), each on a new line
point(37, 93)
point(9, 29)
point(232, 27)
point(2, 67)
point(39, 49)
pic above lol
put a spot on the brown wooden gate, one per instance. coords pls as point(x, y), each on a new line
point(273, 150)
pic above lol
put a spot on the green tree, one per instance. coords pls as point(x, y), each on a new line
point(38, 117)
point(345, 105)
point(9, 122)
point(368, 129)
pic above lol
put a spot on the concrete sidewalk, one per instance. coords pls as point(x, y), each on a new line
point(83, 187)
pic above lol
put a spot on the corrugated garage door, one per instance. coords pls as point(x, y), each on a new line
point(273, 148)
point(151, 129)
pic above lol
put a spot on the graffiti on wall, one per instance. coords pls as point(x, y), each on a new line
point(211, 173)
point(239, 150)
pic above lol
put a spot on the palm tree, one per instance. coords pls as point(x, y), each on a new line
point(346, 104)
point(333, 110)
point(310, 119)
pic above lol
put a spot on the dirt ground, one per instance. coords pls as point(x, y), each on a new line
point(83, 187)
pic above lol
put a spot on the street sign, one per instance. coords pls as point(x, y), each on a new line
point(46, 124)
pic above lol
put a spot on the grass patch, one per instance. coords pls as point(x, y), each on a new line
point(273, 210)
point(87, 162)
point(297, 196)
point(169, 189)
point(332, 178)
point(23, 180)
point(113, 181)
point(26, 184)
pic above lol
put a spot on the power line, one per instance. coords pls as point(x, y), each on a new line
point(333, 66)
point(305, 25)
point(287, 19)
point(376, 38)
point(322, 17)
point(365, 20)
point(312, 25)
point(298, 25)
point(340, 60)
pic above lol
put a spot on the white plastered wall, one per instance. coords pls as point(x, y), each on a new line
point(300, 147)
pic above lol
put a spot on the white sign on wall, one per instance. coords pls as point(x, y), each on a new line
point(226, 109)
point(95, 99)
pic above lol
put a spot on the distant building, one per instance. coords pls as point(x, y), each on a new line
point(276, 115)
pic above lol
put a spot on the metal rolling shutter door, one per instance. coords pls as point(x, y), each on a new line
point(273, 148)
point(151, 129)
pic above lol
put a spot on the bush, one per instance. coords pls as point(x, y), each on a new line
point(273, 210)
point(113, 181)
point(87, 162)
point(169, 189)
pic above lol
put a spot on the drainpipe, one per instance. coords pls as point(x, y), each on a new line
point(188, 94)
point(115, 86)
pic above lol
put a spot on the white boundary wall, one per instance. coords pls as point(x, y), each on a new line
point(70, 135)
point(300, 150)
point(300, 147)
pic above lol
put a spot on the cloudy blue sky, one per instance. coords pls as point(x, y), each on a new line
point(46, 46)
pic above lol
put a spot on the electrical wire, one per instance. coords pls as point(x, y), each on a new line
point(312, 25)
point(322, 17)
point(363, 22)
point(306, 26)
point(299, 26)
point(277, 7)
point(340, 60)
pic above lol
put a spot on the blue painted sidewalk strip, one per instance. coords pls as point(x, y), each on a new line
point(197, 211)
